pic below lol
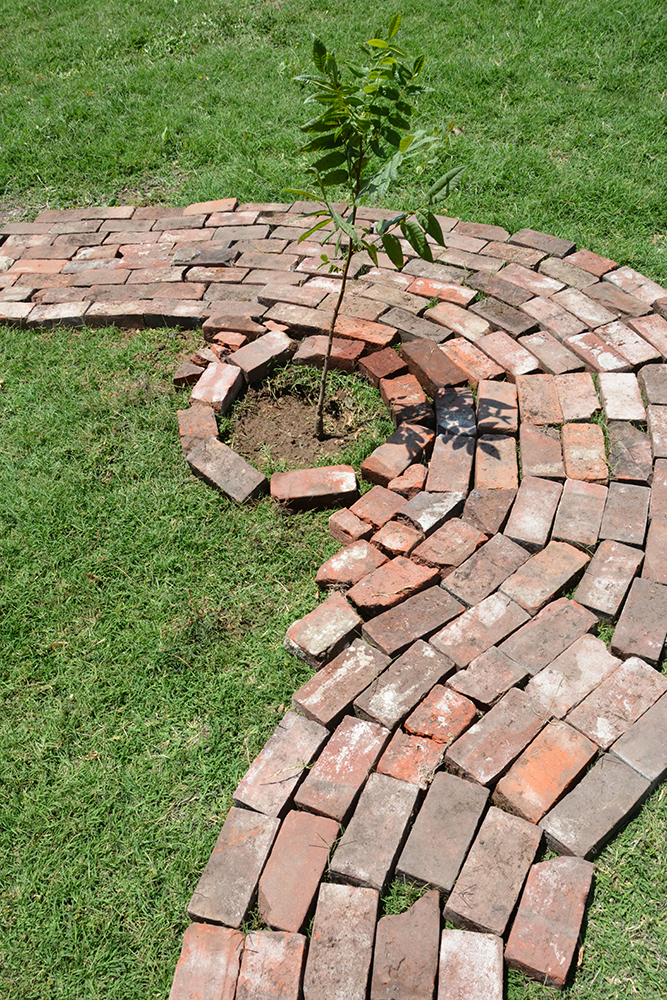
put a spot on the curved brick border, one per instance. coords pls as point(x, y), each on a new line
point(446, 597)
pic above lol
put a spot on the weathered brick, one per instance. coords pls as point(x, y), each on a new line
point(326, 696)
point(350, 565)
point(583, 307)
point(595, 810)
point(493, 285)
point(305, 489)
point(597, 354)
point(655, 568)
point(658, 506)
point(411, 482)
point(289, 883)
point(205, 356)
point(323, 632)
point(530, 281)
point(451, 464)
point(546, 929)
point(541, 452)
point(230, 340)
point(391, 583)
point(532, 515)
point(344, 353)
point(367, 851)
point(496, 464)
point(503, 850)
point(272, 966)
point(442, 290)
point(428, 511)
point(555, 628)
point(58, 314)
point(430, 366)
point(406, 400)
point(577, 396)
point(397, 538)
point(380, 365)
point(497, 408)
point(544, 575)
point(411, 758)
point(627, 343)
point(553, 317)
point(208, 966)
point(484, 571)
point(346, 527)
point(403, 685)
point(499, 314)
point(390, 295)
point(226, 890)
point(377, 506)
point(569, 274)
point(621, 698)
point(412, 327)
point(553, 356)
point(553, 245)
point(405, 446)
point(544, 772)
point(584, 455)
point(636, 284)
point(374, 335)
point(256, 359)
point(592, 262)
point(470, 360)
point(166, 312)
point(341, 944)
point(485, 751)
point(196, 425)
point(222, 468)
point(626, 513)
point(513, 254)
point(449, 546)
point(630, 456)
point(569, 678)
point(442, 832)
point(579, 513)
point(621, 397)
point(443, 715)
point(476, 262)
point(487, 510)
point(538, 400)
point(417, 618)
point(488, 677)
point(218, 386)
point(298, 295)
point(481, 231)
point(608, 576)
point(653, 329)
point(405, 959)
point(461, 321)
point(455, 411)
point(657, 429)
point(479, 628)
point(653, 380)
point(644, 745)
point(471, 966)
point(514, 359)
point(616, 300)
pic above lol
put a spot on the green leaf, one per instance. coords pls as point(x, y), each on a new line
point(333, 159)
point(341, 224)
point(322, 142)
point(319, 54)
point(372, 252)
point(308, 195)
point(394, 25)
point(377, 43)
point(392, 136)
point(418, 65)
point(320, 225)
point(406, 142)
point(444, 184)
point(393, 250)
point(430, 225)
point(397, 122)
point(416, 239)
point(384, 225)
point(335, 177)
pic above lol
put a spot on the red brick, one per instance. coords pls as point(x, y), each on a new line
point(226, 889)
point(616, 300)
point(442, 290)
point(449, 546)
point(389, 295)
point(626, 513)
point(544, 575)
point(546, 929)
point(627, 343)
point(488, 677)
point(204, 207)
point(657, 429)
point(553, 317)
point(226, 471)
point(481, 231)
point(636, 284)
point(653, 329)
point(397, 539)
point(15, 313)
point(655, 568)
point(517, 254)
point(208, 966)
point(553, 356)
point(327, 695)
point(442, 716)
point(474, 364)
point(644, 746)
point(256, 359)
point(499, 314)
point(536, 284)
point(461, 321)
point(504, 849)
point(346, 527)
point(484, 752)
point(350, 565)
point(544, 772)
point(393, 582)
point(579, 513)
point(592, 262)
point(471, 966)
point(484, 571)
point(555, 628)
point(324, 632)
point(305, 489)
point(218, 386)
point(272, 966)
point(366, 853)
point(533, 512)
point(596, 353)
point(493, 285)
point(587, 818)
point(403, 685)
point(553, 245)
point(405, 959)
point(374, 335)
point(289, 883)
point(571, 677)
point(442, 832)
point(58, 314)
point(496, 465)
point(204, 356)
point(584, 454)
point(335, 780)
point(229, 322)
point(162, 312)
point(608, 577)
point(488, 509)
point(380, 365)
point(406, 401)
point(541, 452)
point(455, 411)
point(341, 945)
point(428, 511)
point(476, 262)
point(577, 396)
point(608, 711)
point(196, 425)
point(482, 626)
point(430, 366)
point(538, 400)
point(621, 397)
point(405, 446)
point(412, 759)
point(653, 380)
point(412, 327)
point(566, 272)
point(49, 266)
point(451, 464)
point(229, 340)
point(411, 482)
point(417, 618)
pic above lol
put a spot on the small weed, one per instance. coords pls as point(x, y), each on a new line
point(400, 895)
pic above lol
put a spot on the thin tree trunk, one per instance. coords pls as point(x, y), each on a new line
point(319, 424)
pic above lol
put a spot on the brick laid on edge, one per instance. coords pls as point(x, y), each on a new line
point(630, 456)
point(496, 463)
point(487, 510)
point(532, 515)
point(479, 628)
point(451, 464)
point(579, 513)
point(405, 446)
point(544, 575)
point(417, 618)
point(541, 452)
point(332, 690)
point(486, 570)
point(305, 489)
point(571, 676)
point(555, 628)
point(341, 944)
point(497, 411)
point(208, 966)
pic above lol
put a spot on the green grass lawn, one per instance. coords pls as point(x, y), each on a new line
point(142, 615)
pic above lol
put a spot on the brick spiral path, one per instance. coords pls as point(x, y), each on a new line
point(462, 713)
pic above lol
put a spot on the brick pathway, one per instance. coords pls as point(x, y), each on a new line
point(462, 713)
